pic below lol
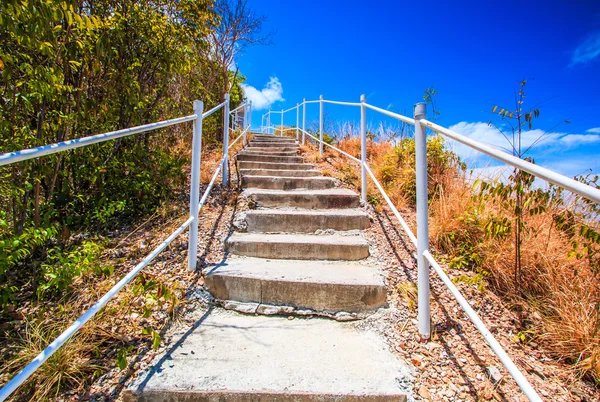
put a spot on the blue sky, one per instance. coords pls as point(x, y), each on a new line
point(473, 52)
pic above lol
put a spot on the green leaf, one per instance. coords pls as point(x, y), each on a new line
point(155, 340)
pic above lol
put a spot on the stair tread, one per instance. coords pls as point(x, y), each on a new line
point(277, 165)
point(295, 238)
point(329, 191)
point(321, 178)
point(312, 212)
point(313, 271)
point(234, 357)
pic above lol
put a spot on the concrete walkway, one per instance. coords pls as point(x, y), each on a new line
point(301, 254)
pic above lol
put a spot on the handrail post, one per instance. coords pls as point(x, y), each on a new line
point(363, 147)
point(245, 123)
point(321, 125)
point(281, 132)
point(250, 116)
point(269, 122)
point(420, 112)
point(226, 140)
point(195, 186)
point(303, 121)
point(297, 120)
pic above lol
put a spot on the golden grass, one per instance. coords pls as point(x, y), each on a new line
point(559, 296)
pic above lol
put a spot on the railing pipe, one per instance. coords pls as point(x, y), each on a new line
point(487, 335)
point(28, 370)
point(575, 186)
point(342, 103)
point(335, 149)
point(321, 126)
point(303, 121)
point(363, 147)
point(31, 153)
point(392, 114)
point(282, 114)
point(243, 105)
point(422, 223)
point(195, 186)
point(214, 109)
point(226, 141)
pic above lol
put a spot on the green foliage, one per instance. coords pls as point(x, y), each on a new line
point(477, 280)
point(61, 267)
point(397, 170)
point(70, 69)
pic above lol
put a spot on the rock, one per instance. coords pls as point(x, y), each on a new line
point(424, 392)
point(417, 360)
point(494, 375)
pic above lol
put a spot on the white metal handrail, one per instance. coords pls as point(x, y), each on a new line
point(31, 153)
point(421, 241)
point(575, 186)
point(191, 223)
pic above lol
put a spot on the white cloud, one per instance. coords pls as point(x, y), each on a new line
point(490, 135)
point(587, 50)
point(551, 147)
point(595, 130)
point(264, 98)
point(579, 139)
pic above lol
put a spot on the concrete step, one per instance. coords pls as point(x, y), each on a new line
point(230, 357)
point(321, 286)
point(309, 199)
point(269, 158)
point(274, 165)
point(306, 220)
point(298, 246)
point(278, 140)
point(250, 151)
point(280, 172)
point(271, 144)
point(271, 149)
point(273, 137)
point(288, 183)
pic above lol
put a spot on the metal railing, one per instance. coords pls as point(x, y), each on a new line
point(421, 240)
point(191, 223)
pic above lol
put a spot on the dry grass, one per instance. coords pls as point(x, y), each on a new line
point(70, 367)
point(558, 297)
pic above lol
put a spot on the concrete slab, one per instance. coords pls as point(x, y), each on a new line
point(298, 246)
point(236, 358)
point(258, 151)
point(274, 165)
point(309, 199)
point(280, 172)
point(306, 220)
point(269, 158)
point(270, 144)
point(273, 141)
point(320, 286)
point(270, 149)
point(288, 183)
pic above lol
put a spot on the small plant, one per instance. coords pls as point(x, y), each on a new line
point(477, 280)
point(408, 293)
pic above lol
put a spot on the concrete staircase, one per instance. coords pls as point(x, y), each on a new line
point(300, 252)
